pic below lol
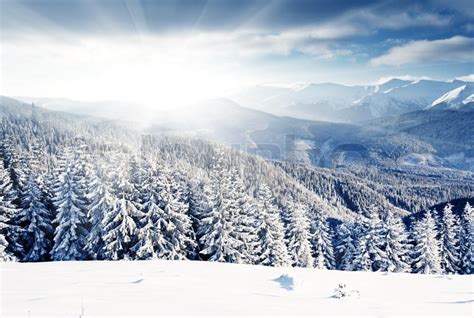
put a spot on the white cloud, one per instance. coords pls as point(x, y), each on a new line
point(455, 49)
point(466, 78)
point(385, 79)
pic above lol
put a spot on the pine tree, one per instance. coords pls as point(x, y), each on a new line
point(426, 252)
point(245, 222)
point(273, 251)
point(345, 246)
point(152, 241)
point(34, 222)
point(298, 236)
point(100, 204)
point(466, 240)
point(179, 232)
point(369, 253)
point(71, 231)
point(449, 250)
point(321, 238)
point(7, 214)
point(219, 238)
point(120, 229)
point(396, 244)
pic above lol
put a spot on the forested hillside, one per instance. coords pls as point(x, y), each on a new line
point(77, 188)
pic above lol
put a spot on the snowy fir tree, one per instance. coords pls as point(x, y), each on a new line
point(396, 244)
point(152, 241)
point(34, 223)
point(466, 240)
point(243, 211)
point(71, 208)
point(7, 214)
point(362, 260)
point(345, 246)
point(273, 251)
point(321, 239)
point(370, 254)
point(120, 231)
point(449, 244)
point(100, 204)
point(179, 232)
point(426, 251)
point(298, 236)
point(219, 238)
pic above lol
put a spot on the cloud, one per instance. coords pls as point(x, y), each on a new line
point(385, 79)
point(456, 49)
point(466, 78)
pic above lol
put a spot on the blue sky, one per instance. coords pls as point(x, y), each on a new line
point(121, 49)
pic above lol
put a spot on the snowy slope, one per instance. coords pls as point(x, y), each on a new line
point(461, 97)
point(201, 288)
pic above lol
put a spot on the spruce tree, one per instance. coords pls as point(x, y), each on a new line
point(298, 237)
point(345, 246)
point(466, 240)
point(321, 238)
point(100, 204)
point(426, 251)
point(69, 200)
point(34, 223)
point(396, 244)
point(273, 251)
point(7, 213)
point(448, 236)
point(220, 240)
point(120, 231)
point(362, 260)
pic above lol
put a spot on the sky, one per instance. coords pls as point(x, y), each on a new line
point(182, 51)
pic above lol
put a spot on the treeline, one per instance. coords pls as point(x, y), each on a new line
point(95, 194)
point(129, 206)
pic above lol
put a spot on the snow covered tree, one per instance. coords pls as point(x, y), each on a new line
point(361, 259)
point(466, 240)
point(244, 213)
point(396, 244)
point(34, 223)
point(298, 237)
point(101, 202)
point(69, 200)
point(273, 251)
point(120, 232)
point(152, 242)
point(345, 246)
point(7, 214)
point(321, 238)
point(426, 252)
point(179, 232)
point(219, 237)
point(448, 237)
point(369, 254)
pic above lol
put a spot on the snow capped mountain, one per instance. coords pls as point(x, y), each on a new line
point(340, 103)
point(458, 98)
point(385, 87)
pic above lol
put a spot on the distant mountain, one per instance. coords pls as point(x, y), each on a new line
point(461, 98)
point(340, 103)
point(425, 139)
point(113, 110)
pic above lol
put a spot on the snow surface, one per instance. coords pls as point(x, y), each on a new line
point(449, 96)
point(469, 99)
point(137, 288)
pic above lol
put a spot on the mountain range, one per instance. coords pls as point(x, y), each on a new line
point(350, 104)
